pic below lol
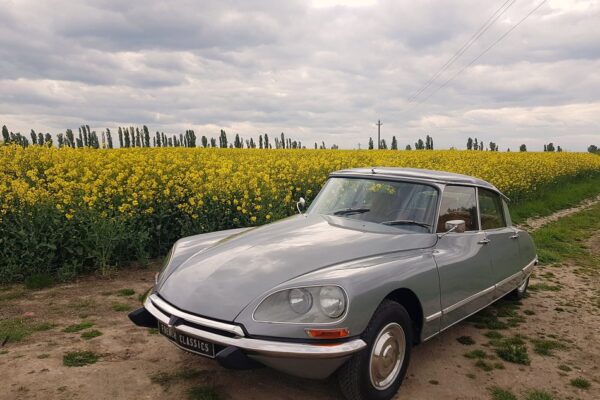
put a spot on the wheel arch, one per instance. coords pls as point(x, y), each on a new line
point(410, 301)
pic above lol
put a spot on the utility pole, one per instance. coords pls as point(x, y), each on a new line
point(378, 134)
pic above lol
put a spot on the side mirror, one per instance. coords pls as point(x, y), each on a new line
point(300, 204)
point(455, 225)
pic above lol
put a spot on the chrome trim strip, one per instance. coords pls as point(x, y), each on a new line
point(266, 347)
point(433, 317)
point(509, 279)
point(529, 267)
point(160, 303)
point(468, 300)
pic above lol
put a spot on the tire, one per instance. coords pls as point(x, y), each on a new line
point(520, 292)
point(390, 321)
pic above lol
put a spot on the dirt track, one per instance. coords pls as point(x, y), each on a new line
point(132, 359)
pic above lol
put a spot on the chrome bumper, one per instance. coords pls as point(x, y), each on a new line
point(162, 311)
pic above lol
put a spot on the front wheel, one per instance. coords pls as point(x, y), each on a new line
point(376, 372)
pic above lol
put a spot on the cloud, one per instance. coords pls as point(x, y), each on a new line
point(320, 70)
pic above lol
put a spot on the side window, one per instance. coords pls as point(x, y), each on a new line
point(458, 202)
point(492, 213)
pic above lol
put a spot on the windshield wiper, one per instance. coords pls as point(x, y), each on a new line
point(406, 222)
point(347, 211)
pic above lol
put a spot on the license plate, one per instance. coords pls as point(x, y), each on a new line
point(187, 342)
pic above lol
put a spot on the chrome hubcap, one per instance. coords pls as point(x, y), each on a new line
point(387, 356)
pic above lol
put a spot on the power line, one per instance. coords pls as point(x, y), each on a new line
point(482, 29)
point(483, 52)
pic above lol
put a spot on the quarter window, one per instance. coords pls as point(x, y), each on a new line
point(458, 202)
point(490, 206)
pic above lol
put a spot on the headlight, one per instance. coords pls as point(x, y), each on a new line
point(300, 300)
point(310, 305)
point(332, 301)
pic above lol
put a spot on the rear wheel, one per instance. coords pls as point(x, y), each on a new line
point(377, 371)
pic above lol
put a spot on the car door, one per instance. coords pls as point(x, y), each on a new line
point(503, 241)
point(463, 258)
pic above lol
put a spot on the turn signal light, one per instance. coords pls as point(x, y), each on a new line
point(328, 333)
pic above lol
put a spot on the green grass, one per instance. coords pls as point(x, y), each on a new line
point(39, 281)
point(466, 340)
point(79, 358)
point(567, 193)
point(203, 393)
point(474, 354)
point(498, 393)
point(121, 307)
point(487, 367)
point(581, 383)
point(91, 334)
point(493, 335)
point(16, 329)
point(539, 395)
point(126, 292)
point(512, 349)
point(545, 347)
point(564, 367)
point(543, 287)
point(564, 239)
point(78, 327)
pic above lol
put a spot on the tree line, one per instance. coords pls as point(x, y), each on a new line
point(128, 137)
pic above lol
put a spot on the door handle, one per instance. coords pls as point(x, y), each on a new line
point(484, 241)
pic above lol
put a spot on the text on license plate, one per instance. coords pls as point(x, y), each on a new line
point(187, 342)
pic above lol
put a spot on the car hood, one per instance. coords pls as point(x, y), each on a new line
point(219, 281)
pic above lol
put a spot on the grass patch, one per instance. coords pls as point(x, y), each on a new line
point(121, 307)
point(512, 350)
point(564, 239)
point(498, 393)
point(203, 393)
point(544, 287)
point(38, 281)
point(539, 395)
point(495, 335)
point(580, 383)
point(564, 367)
point(126, 292)
point(476, 354)
point(466, 340)
point(529, 312)
point(545, 347)
point(16, 329)
point(168, 378)
point(12, 295)
point(487, 367)
point(91, 334)
point(79, 358)
point(568, 193)
point(487, 319)
point(78, 327)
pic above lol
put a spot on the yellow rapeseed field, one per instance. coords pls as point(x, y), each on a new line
point(164, 193)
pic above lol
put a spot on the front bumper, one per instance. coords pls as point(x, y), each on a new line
point(309, 360)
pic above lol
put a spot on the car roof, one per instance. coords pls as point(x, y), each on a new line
point(418, 174)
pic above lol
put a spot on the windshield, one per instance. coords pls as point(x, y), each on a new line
point(406, 205)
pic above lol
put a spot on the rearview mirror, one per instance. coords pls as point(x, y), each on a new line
point(455, 225)
point(300, 204)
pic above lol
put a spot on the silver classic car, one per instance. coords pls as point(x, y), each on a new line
point(383, 259)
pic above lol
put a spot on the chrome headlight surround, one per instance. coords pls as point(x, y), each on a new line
point(319, 304)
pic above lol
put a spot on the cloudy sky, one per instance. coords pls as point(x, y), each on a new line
point(317, 70)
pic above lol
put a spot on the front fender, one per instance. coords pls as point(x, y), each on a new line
point(367, 282)
point(189, 246)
